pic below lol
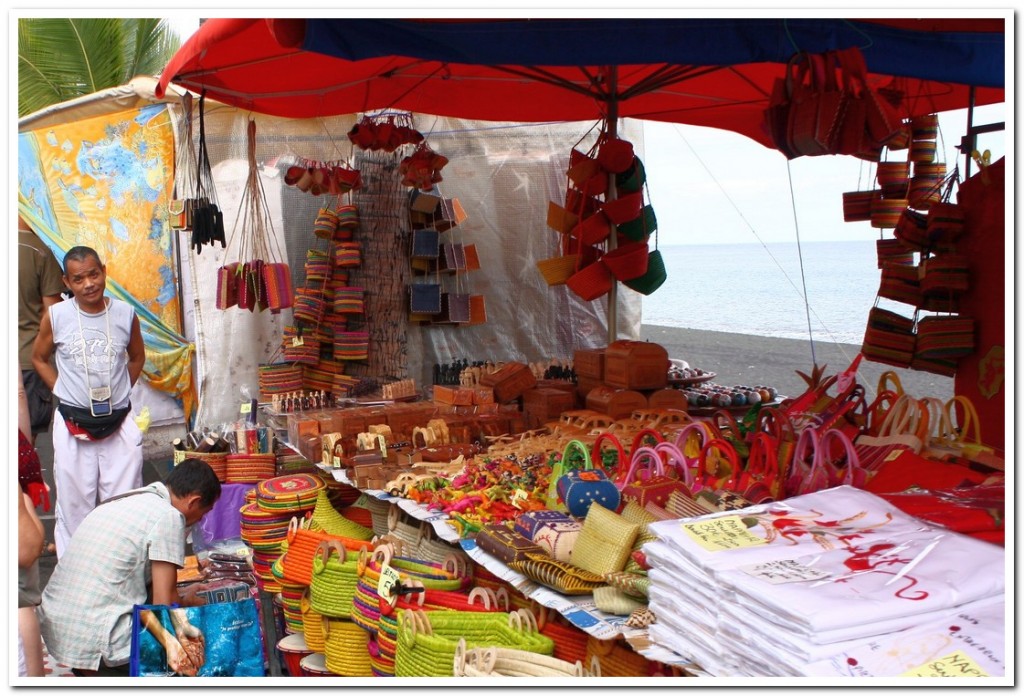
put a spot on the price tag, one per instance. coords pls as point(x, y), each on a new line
point(388, 583)
point(779, 572)
point(245, 408)
point(179, 457)
point(895, 454)
point(297, 341)
point(383, 444)
point(957, 664)
point(337, 461)
point(722, 534)
point(518, 495)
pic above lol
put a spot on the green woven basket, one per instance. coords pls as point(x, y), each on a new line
point(334, 581)
point(653, 278)
point(633, 179)
point(639, 229)
point(328, 519)
point(427, 642)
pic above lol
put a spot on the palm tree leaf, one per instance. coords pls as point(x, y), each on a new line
point(63, 58)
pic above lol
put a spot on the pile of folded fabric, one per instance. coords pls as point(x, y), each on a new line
point(834, 583)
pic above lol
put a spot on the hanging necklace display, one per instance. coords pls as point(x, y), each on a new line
point(100, 403)
point(207, 217)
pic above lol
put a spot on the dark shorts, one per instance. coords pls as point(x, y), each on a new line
point(40, 401)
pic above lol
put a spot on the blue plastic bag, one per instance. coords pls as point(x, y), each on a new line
point(228, 643)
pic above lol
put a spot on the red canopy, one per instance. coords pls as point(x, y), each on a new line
point(262, 65)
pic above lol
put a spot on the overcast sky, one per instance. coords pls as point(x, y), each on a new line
point(714, 186)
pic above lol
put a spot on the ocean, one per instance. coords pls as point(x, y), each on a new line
point(756, 289)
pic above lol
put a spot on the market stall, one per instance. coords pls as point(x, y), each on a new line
point(432, 491)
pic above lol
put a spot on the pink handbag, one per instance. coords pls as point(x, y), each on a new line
point(807, 474)
point(646, 482)
point(675, 461)
point(844, 470)
point(690, 442)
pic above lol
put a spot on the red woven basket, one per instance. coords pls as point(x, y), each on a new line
point(628, 261)
point(593, 230)
point(624, 208)
point(591, 282)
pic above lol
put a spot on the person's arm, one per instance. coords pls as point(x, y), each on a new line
point(177, 658)
point(24, 419)
point(51, 300)
point(165, 587)
point(30, 531)
point(136, 352)
point(42, 351)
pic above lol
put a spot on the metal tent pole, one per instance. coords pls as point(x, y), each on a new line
point(612, 122)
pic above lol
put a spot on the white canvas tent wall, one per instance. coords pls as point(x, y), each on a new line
point(504, 174)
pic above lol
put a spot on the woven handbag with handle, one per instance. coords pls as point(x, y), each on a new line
point(577, 489)
point(427, 642)
point(333, 583)
point(646, 482)
point(509, 662)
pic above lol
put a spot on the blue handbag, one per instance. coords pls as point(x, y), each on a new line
point(576, 489)
point(529, 522)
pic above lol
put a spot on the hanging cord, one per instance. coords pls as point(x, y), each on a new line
point(770, 255)
point(800, 255)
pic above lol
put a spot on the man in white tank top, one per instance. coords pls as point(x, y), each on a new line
point(97, 341)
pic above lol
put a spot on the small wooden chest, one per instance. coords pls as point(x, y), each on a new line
point(509, 382)
point(635, 365)
point(543, 405)
point(668, 398)
point(589, 362)
point(617, 403)
point(583, 387)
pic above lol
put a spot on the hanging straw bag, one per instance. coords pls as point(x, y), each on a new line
point(627, 262)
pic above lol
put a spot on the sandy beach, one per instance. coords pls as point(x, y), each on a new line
point(749, 360)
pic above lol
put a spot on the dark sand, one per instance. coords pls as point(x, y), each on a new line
point(749, 360)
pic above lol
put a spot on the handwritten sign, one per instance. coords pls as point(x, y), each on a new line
point(957, 664)
point(722, 534)
point(388, 583)
point(779, 572)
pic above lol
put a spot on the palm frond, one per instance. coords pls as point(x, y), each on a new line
point(64, 58)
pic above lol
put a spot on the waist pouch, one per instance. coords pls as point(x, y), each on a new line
point(83, 425)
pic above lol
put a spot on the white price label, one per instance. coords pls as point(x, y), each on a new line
point(779, 572)
point(388, 584)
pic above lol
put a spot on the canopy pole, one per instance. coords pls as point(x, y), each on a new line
point(612, 129)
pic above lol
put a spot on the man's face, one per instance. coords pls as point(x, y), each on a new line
point(195, 513)
point(86, 279)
